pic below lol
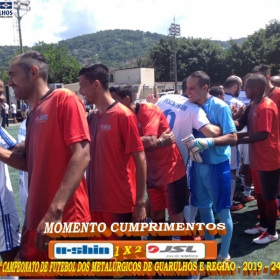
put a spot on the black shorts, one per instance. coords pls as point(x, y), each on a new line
point(174, 196)
point(267, 183)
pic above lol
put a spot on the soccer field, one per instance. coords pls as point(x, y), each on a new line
point(242, 250)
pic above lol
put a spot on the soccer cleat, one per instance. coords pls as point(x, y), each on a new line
point(222, 258)
point(248, 199)
point(255, 230)
point(265, 238)
point(236, 207)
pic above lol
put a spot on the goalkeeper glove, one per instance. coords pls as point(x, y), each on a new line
point(200, 144)
point(194, 156)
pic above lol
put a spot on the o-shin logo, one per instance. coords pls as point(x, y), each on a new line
point(6, 9)
point(85, 250)
point(174, 250)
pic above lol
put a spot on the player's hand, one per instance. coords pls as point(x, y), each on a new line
point(139, 214)
point(195, 156)
point(152, 99)
point(41, 239)
point(200, 144)
point(167, 137)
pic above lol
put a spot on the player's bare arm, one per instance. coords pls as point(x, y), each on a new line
point(227, 139)
point(14, 159)
point(256, 137)
point(239, 126)
point(70, 182)
point(139, 212)
point(19, 147)
point(211, 130)
point(151, 142)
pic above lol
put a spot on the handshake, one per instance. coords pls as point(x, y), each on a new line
point(196, 146)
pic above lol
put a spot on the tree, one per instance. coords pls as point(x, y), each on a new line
point(63, 68)
point(192, 55)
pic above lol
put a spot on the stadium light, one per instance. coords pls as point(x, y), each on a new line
point(21, 5)
point(175, 30)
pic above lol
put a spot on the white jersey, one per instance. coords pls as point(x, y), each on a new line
point(23, 176)
point(7, 200)
point(182, 116)
point(242, 97)
point(232, 101)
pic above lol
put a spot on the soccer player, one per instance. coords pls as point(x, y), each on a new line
point(271, 91)
point(183, 117)
point(166, 172)
point(210, 180)
point(55, 155)
point(232, 86)
point(9, 226)
point(262, 119)
point(116, 174)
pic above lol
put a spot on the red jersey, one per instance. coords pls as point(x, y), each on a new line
point(165, 164)
point(264, 155)
point(111, 173)
point(275, 96)
point(56, 122)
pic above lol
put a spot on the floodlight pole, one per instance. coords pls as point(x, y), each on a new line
point(174, 30)
point(23, 6)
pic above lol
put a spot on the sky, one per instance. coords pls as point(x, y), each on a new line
point(55, 20)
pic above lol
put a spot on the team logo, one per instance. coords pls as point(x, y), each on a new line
point(106, 127)
point(42, 118)
point(6, 9)
point(175, 250)
point(87, 250)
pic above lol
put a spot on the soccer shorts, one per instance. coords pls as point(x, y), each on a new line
point(210, 185)
point(10, 228)
point(109, 219)
point(266, 183)
point(234, 158)
point(174, 196)
point(244, 153)
point(28, 251)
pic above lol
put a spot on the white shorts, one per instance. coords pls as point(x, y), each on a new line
point(9, 231)
point(234, 158)
point(244, 153)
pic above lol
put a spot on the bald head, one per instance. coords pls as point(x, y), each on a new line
point(233, 85)
point(275, 80)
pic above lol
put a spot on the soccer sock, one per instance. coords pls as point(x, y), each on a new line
point(193, 213)
point(225, 217)
point(242, 177)
point(186, 237)
point(262, 211)
point(271, 215)
point(207, 217)
point(247, 191)
point(187, 213)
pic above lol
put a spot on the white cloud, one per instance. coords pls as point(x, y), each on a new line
point(52, 20)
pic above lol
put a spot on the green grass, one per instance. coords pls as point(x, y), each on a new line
point(242, 249)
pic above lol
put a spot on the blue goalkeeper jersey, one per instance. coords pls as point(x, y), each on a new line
point(218, 113)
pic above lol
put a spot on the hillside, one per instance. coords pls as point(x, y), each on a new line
point(115, 48)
